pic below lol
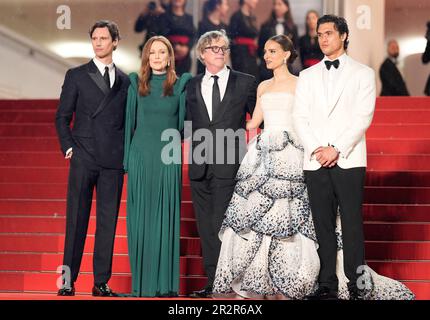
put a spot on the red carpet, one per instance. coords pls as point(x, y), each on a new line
point(33, 177)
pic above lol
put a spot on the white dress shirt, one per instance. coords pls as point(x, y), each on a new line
point(101, 66)
point(331, 76)
point(207, 85)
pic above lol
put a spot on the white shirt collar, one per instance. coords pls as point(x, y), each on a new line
point(341, 58)
point(222, 73)
point(101, 66)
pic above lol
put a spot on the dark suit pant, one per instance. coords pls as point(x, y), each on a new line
point(84, 176)
point(329, 188)
point(211, 197)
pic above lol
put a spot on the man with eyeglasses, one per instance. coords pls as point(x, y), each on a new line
point(217, 101)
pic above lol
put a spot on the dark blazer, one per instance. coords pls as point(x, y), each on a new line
point(392, 80)
point(239, 98)
point(426, 58)
point(98, 127)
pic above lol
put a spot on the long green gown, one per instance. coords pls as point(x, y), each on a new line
point(154, 186)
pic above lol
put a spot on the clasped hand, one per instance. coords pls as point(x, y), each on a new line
point(326, 156)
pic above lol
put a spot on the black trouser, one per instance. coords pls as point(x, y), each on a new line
point(211, 197)
point(328, 188)
point(84, 176)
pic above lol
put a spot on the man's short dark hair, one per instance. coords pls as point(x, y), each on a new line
point(340, 25)
point(112, 27)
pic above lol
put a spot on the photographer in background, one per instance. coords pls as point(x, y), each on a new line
point(149, 20)
point(426, 58)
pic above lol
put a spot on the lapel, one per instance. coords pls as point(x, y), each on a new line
point(200, 101)
point(347, 72)
point(229, 93)
point(111, 94)
point(96, 76)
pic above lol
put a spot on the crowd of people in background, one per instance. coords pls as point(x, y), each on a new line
point(168, 18)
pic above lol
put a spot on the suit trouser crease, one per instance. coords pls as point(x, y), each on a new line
point(211, 197)
point(329, 189)
point(83, 177)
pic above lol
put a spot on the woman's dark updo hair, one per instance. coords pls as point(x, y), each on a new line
point(286, 44)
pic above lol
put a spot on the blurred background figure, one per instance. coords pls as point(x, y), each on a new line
point(426, 58)
point(391, 78)
point(178, 27)
point(280, 22)
point(310, 52)
point(243, 33)
point(214, 13)
point(149, 20)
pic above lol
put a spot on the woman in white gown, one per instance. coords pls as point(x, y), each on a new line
point(269, 246)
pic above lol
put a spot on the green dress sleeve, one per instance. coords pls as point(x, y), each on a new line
point(130, 116)
point(182, 95)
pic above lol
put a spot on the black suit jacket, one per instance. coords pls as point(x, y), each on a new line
point(392, 80)
point(239, 98)
point(426, 58)
point(98, 126)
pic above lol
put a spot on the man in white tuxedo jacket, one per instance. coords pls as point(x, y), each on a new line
point(335, 101)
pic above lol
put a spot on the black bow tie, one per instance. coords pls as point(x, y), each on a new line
point(334, 63)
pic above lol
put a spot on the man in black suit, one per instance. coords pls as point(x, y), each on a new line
point(217, 102)
point(95, 94)
point(391, 78)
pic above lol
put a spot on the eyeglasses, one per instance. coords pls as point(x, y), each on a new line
point(216, 49)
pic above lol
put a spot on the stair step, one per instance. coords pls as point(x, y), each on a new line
point(374, 177)
point(397, 195)
point(402, 103)
point(398, 250)
point(14, 144)
point(396, 162)
point(47, 282)
point(54, 243)
point(30, 104)
point(397, 146)
point(396, 231)
point(395, 131)
point(406, 270)
point(393, 178)
point(54, 191)
point(401, 116)
point(56, 208)
point(33, 160)
point(48, 262)
point(396, 212)
point(28, 116)
point(31, 224)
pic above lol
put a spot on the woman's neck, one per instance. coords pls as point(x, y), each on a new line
point(281, 74)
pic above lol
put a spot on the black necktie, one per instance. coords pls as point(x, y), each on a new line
point(106, 77)
point(216, 96)
point(334, 63)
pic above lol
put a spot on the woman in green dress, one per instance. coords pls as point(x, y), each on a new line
point(155, 103)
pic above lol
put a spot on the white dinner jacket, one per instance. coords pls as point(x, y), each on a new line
point(340, 120)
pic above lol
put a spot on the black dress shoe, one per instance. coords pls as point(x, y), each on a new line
point(323, 293)
point(205, 293)
point(103, 290)
point(66, 291)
